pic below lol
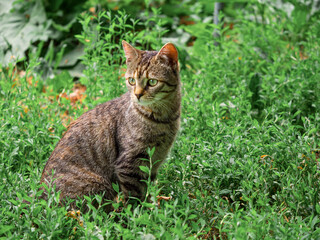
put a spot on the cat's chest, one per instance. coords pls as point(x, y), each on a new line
point(142, 134)
point(148, 133)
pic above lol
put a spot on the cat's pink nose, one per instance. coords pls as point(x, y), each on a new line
point(139, 95)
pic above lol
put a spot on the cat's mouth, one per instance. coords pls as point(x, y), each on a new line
point(143, 101)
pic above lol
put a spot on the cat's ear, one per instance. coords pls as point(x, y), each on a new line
point(169, 51)
point(131, 52)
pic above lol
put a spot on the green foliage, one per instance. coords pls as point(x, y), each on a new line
point(22, 28)
point(26, 23)
point(245, 164)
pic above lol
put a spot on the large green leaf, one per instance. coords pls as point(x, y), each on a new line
point(5, 6)
point(20, 29)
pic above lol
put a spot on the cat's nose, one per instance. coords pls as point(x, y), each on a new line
point(139, 95)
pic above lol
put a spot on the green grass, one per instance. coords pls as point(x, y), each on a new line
point(244, 166)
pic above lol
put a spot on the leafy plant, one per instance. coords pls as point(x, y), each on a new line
point(26, 23)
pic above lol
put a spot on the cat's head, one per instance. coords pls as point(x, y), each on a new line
point(151, 76)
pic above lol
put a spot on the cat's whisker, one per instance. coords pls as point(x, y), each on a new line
point(129, 108)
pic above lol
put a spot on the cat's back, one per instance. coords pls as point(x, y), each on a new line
point(90, 141)
point(103, 115)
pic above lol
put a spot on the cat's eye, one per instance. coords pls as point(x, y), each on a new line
point(152, 82)
point(132, 81)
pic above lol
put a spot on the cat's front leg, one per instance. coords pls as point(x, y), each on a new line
point(131, 179)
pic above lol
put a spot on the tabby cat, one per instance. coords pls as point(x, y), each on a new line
point(105, 145)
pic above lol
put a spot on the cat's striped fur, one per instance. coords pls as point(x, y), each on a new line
point(105, 145)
